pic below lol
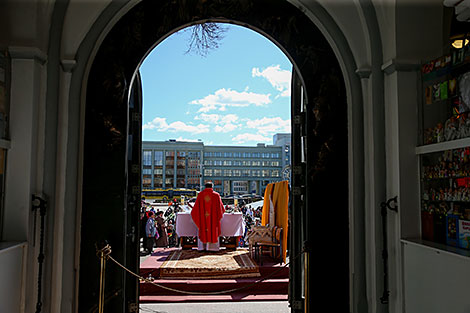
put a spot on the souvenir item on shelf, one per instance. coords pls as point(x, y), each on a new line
point(464, 234)
point(452, 87)
point(460, 55)
point(439, 133)
point(428, 67)
point(443, 90)
point(463, 131)
point(464, 91)
point(448, 60)
point(452, 223)
point(428, 136)
point(427, 225)
point(467, 124)
point(450, 132)
point(436, 89)
point(428, 94)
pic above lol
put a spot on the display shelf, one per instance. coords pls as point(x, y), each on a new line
point(8, 245)
point(447, 201)
point(438, 247)
point(444, 155)
point(426, 178)
point(442, 146)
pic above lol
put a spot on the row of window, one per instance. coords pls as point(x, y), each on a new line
point(238, 173)
point(264, 155)
point(240, 163)
point(240, 189)
point(170, 171)
point(158, 159)
point(195, 165)
point(181, 162)
point(214, 172)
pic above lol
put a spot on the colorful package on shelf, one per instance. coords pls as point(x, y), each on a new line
point(464, 91)
point(428, 67)
point(443, 90)
point(439, 226)
point(436, 92)
point(464, 234)
point(428, 94)
point(453, 87)
point(427, 226)
point(458, 56)
point(441, 63)
point(452, 226)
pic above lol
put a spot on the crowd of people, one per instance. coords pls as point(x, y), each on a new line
point(158, 227)
point(154, 229)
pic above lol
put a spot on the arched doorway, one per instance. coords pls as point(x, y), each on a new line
point(111, 194)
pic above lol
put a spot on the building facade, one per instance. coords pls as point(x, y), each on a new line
point(232, 169)
point(284, 140)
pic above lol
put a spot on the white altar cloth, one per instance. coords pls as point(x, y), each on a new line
point(232, 224)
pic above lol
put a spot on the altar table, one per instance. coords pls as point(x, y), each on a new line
point(232, 225)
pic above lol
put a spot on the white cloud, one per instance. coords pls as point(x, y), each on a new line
point(224, 123)
point(160, 124)
point(225, 128)
point(156, 123)
point(278, 78)
point(247, 137)
point(229, 118)
point(187, 140)
point(224, 98)
point(210, 118)
point(270, 125)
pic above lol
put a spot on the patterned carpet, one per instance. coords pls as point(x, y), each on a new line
point(192, 264)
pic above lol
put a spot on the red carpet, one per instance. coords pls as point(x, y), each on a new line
point(272, 289)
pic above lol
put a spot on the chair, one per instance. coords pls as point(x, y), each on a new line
point(275, 244)
point(258, 234)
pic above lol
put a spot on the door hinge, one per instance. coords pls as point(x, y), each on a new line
point(298, 191)
point(297, 305)
point(299, 169)
point(388, 205)
point(133, 307)
point(135, 169)
point(299, 119)
point(136, 117)
point(135, 190)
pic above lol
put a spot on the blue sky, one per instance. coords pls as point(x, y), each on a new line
point(239, 94)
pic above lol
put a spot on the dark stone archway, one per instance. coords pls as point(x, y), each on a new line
point(111, 196)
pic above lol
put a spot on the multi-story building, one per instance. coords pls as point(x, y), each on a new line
point(232, 169)
point(171, 164)
point(284, 140)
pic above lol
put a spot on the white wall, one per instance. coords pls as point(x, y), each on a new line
point(11, 272)
point(436, 281)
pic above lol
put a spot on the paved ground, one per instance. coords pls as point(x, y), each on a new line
point(217, 307)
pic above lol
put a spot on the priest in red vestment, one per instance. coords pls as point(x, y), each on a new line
point(207, 214)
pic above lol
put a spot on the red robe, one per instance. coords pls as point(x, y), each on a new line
point(207, 213)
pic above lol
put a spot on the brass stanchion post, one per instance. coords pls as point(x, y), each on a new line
point(103, 254)
point(307, 249)
point(102, 281)
point(306, 280)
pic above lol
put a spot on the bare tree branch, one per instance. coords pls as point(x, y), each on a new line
point(205, 37)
